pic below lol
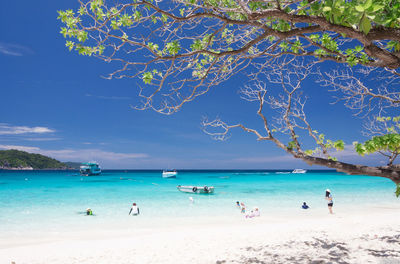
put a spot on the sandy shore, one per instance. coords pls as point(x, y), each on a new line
point(313, 236)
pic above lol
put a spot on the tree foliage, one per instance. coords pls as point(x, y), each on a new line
point(386, 141)
point(21, 159)
point(181, 49)
point(185, 47)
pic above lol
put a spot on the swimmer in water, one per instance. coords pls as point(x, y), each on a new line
point(305, 206)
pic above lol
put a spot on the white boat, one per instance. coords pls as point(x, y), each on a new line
point(169, 174)
point(196, 189)
point(299, 171)
point(90, 168)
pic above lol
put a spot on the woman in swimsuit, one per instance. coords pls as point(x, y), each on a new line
point(329, 199)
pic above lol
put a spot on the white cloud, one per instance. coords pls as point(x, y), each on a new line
point(14, 49)
point(6, 129)
point(41, 139)
point(23, 148)
point(79, 154)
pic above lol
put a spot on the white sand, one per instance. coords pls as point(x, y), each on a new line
point(368, 236)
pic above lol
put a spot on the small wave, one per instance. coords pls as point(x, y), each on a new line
point(97, 181)
point(251, 173)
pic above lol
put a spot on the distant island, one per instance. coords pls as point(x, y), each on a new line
point(22, 160)
point(73, 165)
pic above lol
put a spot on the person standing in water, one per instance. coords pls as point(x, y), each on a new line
point(329, 199)
point(134, 209)
point(242, 208)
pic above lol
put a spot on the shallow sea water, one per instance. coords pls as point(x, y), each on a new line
point(56, 200)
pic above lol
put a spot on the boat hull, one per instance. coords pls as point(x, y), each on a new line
point(299, 171)
point(90, 174)
point(196, 189)
point(169, 174)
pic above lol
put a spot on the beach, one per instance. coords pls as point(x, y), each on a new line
point(301, 237)
point(43, 220)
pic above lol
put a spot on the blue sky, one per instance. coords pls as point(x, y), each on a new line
point(55, 102)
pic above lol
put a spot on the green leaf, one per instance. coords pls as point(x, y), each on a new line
point(137, 15)
point(309, 152)
point(360, 8)
point(173, 47)
point(339, 145)
point(197, 45)
point(326, 9)
point(377, 7)
point(152, 46)
point(147, 77)
point(70, 45)
point(291, 145)
point(365, 25)
point(367, 4)
point(332, 158)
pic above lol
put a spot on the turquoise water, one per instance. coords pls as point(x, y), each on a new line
point(55, 200)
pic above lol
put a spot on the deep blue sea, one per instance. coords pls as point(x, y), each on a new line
point(54, 200)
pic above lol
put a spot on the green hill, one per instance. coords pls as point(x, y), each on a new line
point(10, 159)
point(73, 165)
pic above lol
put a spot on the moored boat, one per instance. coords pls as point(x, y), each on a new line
point(299, 171)
point(196, 189)
point(169, 174)
point(91, 168)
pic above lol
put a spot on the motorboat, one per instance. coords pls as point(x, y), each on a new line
point(169, 174)
point(299, 171)
point(196, 189)
point(91, 168)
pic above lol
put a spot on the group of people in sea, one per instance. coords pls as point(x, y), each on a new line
point(253, 213)
point(256, 212)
